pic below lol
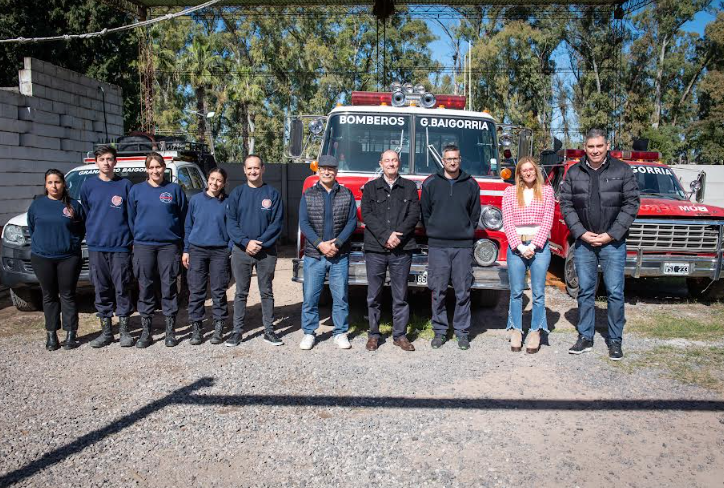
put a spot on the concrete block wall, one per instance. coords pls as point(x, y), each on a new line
point(50, 120)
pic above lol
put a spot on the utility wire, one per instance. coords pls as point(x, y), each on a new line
point(88, 35)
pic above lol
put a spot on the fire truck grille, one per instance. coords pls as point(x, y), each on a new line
point(673, 237)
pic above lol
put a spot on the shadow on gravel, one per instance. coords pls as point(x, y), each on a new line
point(187, 396)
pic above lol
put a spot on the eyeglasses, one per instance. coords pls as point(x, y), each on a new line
point(527, 171)
point(451, 160)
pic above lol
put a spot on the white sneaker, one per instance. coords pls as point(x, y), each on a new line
point(307, 342)
point(342, 341)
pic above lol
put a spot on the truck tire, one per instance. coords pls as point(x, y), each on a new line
point(703, 288)
point(569, 273)
point(26, 299)
point(484, 298)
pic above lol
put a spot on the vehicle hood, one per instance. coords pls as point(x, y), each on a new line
point(663, 207)
point(21, 220)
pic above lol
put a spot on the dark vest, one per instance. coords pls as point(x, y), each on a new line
point(341, 200)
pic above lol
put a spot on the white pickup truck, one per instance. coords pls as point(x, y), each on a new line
point(17, 273)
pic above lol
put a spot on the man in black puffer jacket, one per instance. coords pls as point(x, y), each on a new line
point(599, 200)
point(450, 205)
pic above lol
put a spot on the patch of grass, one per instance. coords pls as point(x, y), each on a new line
point(666, 325)
point(419, 326)
point(703, 366)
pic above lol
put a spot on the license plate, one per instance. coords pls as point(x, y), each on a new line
point(676, 268)
point(421, 279)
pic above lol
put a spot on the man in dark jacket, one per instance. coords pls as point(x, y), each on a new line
point(327, 218)
point(390, 211)
point(450, 205)
point(599, 199)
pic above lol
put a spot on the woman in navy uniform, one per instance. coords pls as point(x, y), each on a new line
point(157, 211)
point(206, 255)
point(57, 226)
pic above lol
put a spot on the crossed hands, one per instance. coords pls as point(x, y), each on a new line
point(328, 248)
point(394, 240)
point(529, 252)
point(253, 247)
point(596, 240)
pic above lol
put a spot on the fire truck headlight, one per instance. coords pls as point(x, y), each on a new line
point(491, 218)
point(485, 252)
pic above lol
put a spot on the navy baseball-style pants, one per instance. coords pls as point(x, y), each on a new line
point(157, 262)
point(58, 279)
point(377, 264)
point(112, 276)
point(446, 265)
point(208, 266)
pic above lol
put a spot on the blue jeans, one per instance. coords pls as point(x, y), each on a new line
point(517, 266)
point(315, 270)
point(612, 258)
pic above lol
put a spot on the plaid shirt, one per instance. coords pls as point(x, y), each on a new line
point(537, 213)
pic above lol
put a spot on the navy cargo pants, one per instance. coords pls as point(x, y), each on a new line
point(152, 262)
point(447, 264)
point(112, 276)
point(208, 265)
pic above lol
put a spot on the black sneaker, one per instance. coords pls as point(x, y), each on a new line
point(582, 345)
point(272, 338)
point(464, 343)
point(438, 341)
point(234, 339)
point(614, 351)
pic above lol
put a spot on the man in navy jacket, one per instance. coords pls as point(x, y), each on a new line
point(450, 205)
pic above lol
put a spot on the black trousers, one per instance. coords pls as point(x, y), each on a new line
point(58, 280)
point(157, 262)
point(265, 262)
point(112, 276)
point(446, 264)
point(208, 266)
point(377, 264)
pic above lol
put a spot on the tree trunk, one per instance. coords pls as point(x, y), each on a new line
point(656, 115)
point(201, 112)
point(691, 84)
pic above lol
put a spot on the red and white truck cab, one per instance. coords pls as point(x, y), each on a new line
point(417, 125)
point(671, 236)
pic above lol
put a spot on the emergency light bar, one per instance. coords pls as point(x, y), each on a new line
point(625, 155)
point(455, 102)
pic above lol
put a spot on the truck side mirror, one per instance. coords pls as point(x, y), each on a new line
point(698, 187)
point(296, 136)
point(525, 144)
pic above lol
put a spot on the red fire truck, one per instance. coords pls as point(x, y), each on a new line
point(671, 236)
point(417, 124)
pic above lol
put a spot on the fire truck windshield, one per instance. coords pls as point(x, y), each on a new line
point(658, 181)
point(357, 140)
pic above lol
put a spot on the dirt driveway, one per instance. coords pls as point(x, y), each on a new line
point(256, 415)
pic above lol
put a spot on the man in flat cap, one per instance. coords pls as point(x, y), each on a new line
point(327, 218)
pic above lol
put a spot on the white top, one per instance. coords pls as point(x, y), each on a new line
point(528, 230)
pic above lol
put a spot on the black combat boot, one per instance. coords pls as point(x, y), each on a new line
point(196, 336)
point(126, 338)
point(106, 336)
point(145, 339)
point(71, 340)
point(218, 336)
point(171, 340)
point(51, 344)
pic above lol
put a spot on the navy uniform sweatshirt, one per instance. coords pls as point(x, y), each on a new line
point(157, 213)
point(450, 210)
point(254, 214)
point(106, 203)
point(55, 233)
point(206, 222)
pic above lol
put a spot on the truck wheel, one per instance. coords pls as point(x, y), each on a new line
point(569, 273)
point(484, 298)
point(26, 299)
point(704, 288)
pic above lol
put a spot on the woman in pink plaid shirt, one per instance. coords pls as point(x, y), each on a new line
point(527, 219)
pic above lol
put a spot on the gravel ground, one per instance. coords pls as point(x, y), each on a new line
point(256, 415)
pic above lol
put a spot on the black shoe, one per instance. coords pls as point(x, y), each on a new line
point(464, 343)
point(614, 351)
point(106, 336)
point(51, 343)
point(170, 340)
point(218, 336)
point(196, 336)
point(234, 339)
point(582, 345)
point(272, 338)
point(146, 338)
point(71, 340)
point(126, 337)
point(438, 341)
